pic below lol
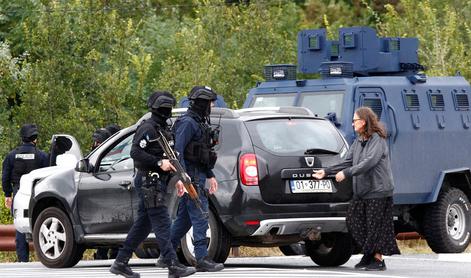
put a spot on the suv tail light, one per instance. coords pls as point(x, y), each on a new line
point(248, 169)
point(252, 222)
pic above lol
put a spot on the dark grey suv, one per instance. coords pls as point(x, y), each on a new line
point(266, 194)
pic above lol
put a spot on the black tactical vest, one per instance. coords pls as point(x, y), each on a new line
point(201, 152)
point(26, 160)
point(152, 147)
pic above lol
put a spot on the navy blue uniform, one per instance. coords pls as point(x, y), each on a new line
point(188, 128)
point(18, 162)
point(9, 181)
point(146, 153)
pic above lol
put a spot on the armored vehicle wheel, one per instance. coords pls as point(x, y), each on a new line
point(333, 249)
point(294, 249)
point(53, 239)
point(446, 223)
point(219, 242)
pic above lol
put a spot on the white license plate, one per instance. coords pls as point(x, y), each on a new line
point(311, 186)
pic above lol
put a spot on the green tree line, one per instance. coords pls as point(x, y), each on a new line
point(74, 66)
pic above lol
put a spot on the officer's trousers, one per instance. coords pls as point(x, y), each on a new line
point(189, 215)
point(156, 220)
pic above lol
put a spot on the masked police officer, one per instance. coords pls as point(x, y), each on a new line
point(154, 173)
point(194, 143)
point(99, 136)
point(18, 162)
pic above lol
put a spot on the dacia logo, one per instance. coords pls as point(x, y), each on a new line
point(309, 161)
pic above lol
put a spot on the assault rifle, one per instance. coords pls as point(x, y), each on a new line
point(182, 175)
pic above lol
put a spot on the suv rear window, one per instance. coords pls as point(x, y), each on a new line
point(294, 135)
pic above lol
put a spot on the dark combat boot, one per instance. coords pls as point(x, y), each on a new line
point(207, 265)
point(161, 263)
point(123, 269)
point(176, 269)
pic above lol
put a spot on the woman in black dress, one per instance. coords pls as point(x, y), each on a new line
point(369, 217)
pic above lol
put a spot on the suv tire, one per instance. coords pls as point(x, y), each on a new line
point(219, 242)
point(446, 223)
point(53, 239)
point(333, 249)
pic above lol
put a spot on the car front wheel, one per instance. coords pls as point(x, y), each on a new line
point(53, 239)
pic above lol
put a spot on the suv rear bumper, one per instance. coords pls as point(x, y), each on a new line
point(288, 226)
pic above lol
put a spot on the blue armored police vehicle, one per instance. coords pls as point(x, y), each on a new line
point(428, 121)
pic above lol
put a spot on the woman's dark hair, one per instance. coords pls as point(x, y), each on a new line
point(372, 123)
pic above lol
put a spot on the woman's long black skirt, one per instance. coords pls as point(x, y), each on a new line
point(370, 222)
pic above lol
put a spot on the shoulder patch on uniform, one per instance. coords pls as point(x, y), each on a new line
point(143, 143)
point(25, 156)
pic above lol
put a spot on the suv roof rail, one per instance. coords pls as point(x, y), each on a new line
point(179, 111)
point(215, 111)
point(224, 112)
point(282, 109)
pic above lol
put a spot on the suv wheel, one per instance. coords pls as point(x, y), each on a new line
point(446, 223)
point(333, 249)
point(53, 239)
point(219, 242)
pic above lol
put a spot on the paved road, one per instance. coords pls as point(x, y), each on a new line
point(430, 266)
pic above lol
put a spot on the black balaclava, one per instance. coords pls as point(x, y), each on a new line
point(202, 107)
point(164, 112)
point(99, 136)
point(160, 103)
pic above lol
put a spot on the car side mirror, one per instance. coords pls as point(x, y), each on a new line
point(83, 166)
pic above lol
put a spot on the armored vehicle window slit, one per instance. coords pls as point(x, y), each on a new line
point(411, 101)
point(461, 101)
point(437, 103)
point(375, 105)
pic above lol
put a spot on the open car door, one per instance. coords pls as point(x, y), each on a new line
point(65, 151)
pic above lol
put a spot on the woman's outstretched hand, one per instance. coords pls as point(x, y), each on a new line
point(340, 176)
point(319, 174)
